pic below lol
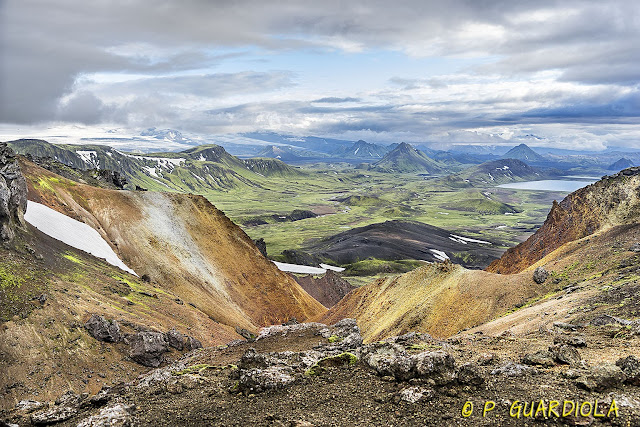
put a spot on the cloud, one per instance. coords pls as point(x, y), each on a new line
point(335, 100)
point(159, 63)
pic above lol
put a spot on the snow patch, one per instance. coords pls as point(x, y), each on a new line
point(332, 268)
point(152, 171)
point(467, 239)
point(90, 158)
point(301, 269)
point(72, 232)
point(439, 255)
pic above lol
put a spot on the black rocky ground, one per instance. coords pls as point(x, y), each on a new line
point(317, 375)
point(394, 240)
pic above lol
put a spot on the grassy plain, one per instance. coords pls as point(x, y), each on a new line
point(500, 215)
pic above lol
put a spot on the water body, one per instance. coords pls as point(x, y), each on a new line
point(563, 185)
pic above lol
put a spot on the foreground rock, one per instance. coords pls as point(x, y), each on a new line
point(148, 348)
point(103, 329)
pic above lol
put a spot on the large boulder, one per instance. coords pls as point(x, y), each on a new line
point(148, 348)
point(175, 339)
point(259, 380)
point(103, 329)
point(630, 366)
point(540, 275)
point(602, 377)
point(13, 194)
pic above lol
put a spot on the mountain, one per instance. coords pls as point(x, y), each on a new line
point(397, 240)
point(82, 339)
point(197, 272)
point(361, 150)
point(612, 201)
point(525, 154)
point(195, 170)
point(406, 159)
point(170, 135)
point(497, 172)
point(623, 163)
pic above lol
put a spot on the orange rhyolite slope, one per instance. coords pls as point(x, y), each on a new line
point(186, 245)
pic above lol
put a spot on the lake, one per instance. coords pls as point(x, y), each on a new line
point(564, 185)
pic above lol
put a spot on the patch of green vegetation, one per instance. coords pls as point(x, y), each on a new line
point(72, 258)
point(137, 287)
point(195, 369)
point(482, 204)
point(334, 338)
point(343, 359)
point(19, 286)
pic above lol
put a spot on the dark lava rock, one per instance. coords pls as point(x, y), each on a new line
point(192, 343)
point(635, 247)
point(391, 359)
point(262, 246)
point(102, 329)
point(175, 339)
point(247, 335)
point(540, 275)
point(13, 194)
point(470, 374)
point(511, 369)
point(605, 319)
point(602, 377)
point(147, 348)
point(630, 366)
point(564, 353)
point(574, 340)
point(259, 380)
point(541, 358)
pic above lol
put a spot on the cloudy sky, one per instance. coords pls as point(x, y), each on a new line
point(419, 71)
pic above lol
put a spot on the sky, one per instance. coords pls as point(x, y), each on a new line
point(562, 74)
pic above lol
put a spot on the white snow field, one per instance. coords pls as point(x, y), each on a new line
point(72, 232)
point(332, 267)
point(300, 269)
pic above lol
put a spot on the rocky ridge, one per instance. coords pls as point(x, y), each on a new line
point(13, 194)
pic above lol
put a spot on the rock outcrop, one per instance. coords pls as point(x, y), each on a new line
point(13, 194)
point(328, 289)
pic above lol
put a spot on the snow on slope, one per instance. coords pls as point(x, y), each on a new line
point(73, 233)
point(300, 269)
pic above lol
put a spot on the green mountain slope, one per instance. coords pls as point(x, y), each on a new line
point(406, 159)
point(196, 170)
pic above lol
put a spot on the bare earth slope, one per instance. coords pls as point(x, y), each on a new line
point(186, 245)
point(440, 299)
